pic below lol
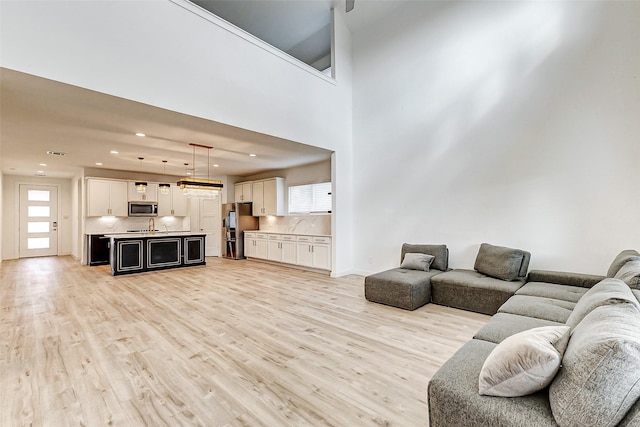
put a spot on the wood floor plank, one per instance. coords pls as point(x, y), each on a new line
point(234, 343)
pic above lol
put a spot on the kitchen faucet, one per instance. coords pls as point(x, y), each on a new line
point(152, 226)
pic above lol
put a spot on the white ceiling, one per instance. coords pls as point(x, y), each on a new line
point(39, 115)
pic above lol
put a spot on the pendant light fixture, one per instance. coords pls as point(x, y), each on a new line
point(141, 186)
point(200, 187)
point(165, 188)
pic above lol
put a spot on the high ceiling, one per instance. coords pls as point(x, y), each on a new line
point(300, 28)
point(39, 115)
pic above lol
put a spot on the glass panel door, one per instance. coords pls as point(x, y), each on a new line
point(38, 220)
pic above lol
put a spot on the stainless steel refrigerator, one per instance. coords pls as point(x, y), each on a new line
point(236, 219)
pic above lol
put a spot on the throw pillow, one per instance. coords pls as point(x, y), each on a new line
point(621, 259)
point(630, 274)
point(606, 292)
point(600, 376)
point(415, 261)
point(499, 262)
point(524, 363)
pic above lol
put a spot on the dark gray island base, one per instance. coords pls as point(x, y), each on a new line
point(139, 252)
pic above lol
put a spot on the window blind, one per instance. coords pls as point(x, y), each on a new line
point(310, 198)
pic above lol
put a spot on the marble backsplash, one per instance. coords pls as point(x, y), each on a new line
point(306, 224)
point(100, 225)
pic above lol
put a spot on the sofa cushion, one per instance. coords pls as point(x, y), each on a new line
point(600, 376)
point(607, 292)
point(629, 273)
point(524, 363)
point(440, 252)
point(551, 290)
point(415, 261)
point(454, 400)
point(503, 325)
point(471, 290)
point(539, 307)
point(621, 259)
point(500, 262)
point(564, 278)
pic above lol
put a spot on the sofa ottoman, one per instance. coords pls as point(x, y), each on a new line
point(407, 288)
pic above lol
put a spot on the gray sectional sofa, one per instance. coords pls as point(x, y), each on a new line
point(598, 381)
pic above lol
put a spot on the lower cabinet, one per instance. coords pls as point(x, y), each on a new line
point(314, 251)
point(164, 252)
point(193, 250)
point(306, 251)
point(256, 245)
point(135, 255)
point(128, 256)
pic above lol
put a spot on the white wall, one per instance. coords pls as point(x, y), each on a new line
point(513, 123)
point(11, 213)
point(164, 55)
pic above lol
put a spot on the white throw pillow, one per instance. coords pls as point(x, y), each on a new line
point(630, 274)
point(524, 363)
point(417, 261)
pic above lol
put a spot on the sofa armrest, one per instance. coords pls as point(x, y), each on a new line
point(564, 278)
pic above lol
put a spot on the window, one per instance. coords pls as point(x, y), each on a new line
point(310, 198)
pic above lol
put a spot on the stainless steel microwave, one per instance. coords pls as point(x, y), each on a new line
point(143, 209)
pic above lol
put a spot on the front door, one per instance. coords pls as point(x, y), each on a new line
point(38, 220)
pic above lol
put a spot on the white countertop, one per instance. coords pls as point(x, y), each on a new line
point(156, 234)
point(286, 233)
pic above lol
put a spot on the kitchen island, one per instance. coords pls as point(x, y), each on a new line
point(139, 252)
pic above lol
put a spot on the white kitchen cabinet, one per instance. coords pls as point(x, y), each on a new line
point(249, 245)
point(172, 204)
point(256, 245)
point(274, 248)
point(268, 197)
point(243, 192)
point(150, 194)
point(261, 246)
point(301, 250)
point(288, 248)
point(106, 197)
point(322, 253)
point(282, 248)
point(314, 251)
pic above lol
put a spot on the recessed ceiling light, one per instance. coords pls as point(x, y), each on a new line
point(43, 164)
point(215, 166)
point(39, 171)
point(113, 152)
point(252, 155)
point(98, 164)
point(140, 134)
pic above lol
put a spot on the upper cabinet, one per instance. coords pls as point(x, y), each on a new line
point(150, 194)
point(243, 192)
point(268, 197)
point(172, 204)
point(105, 197)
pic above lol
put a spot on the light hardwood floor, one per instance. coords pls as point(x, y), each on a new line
point(237, 343)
